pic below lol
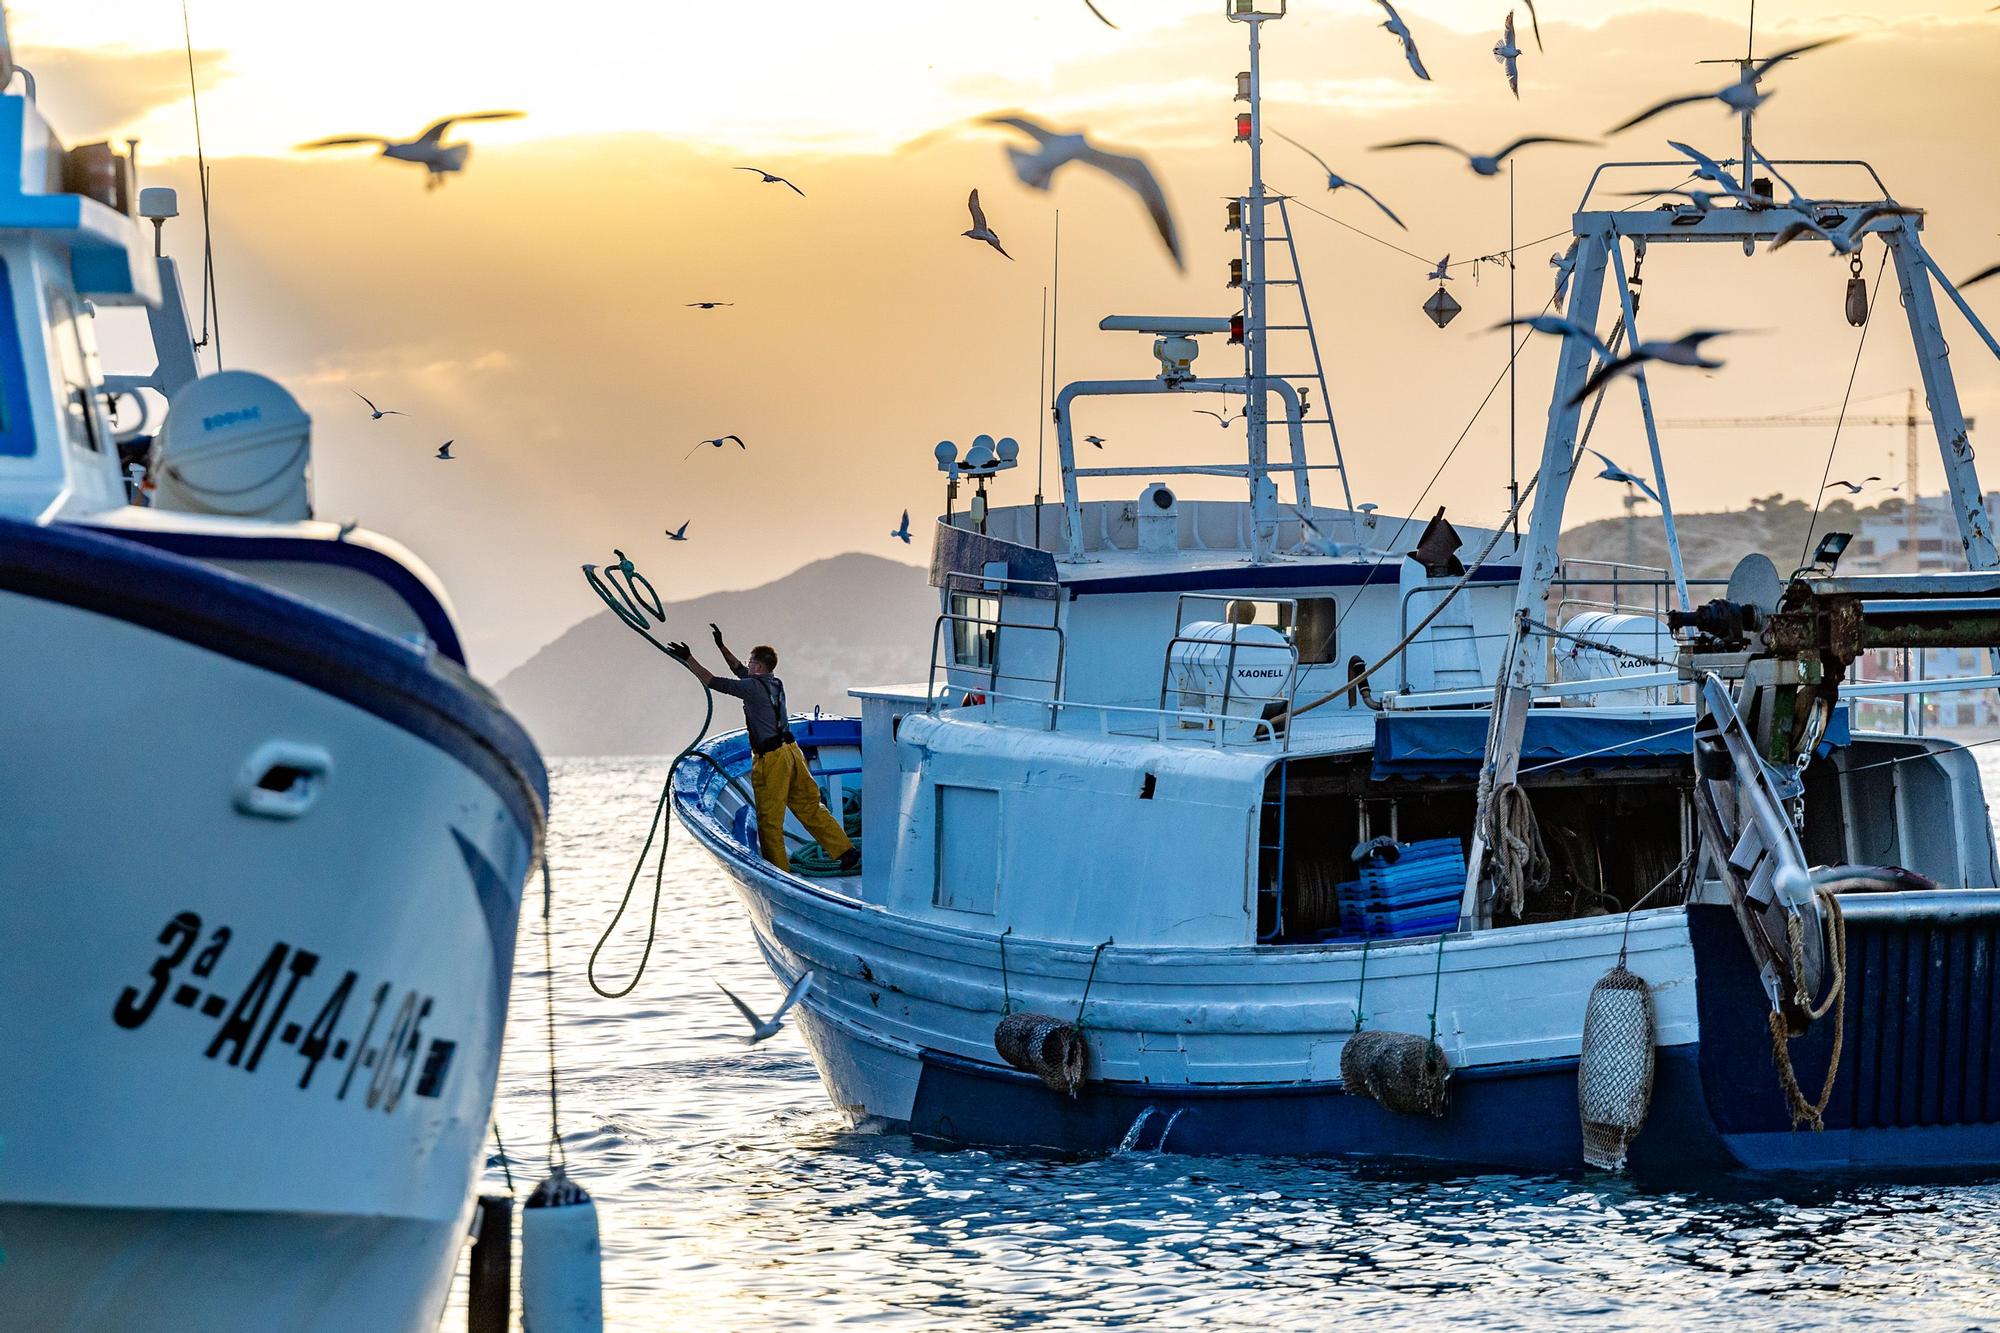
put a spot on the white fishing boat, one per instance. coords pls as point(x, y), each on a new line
point(264, 837)
point(1274, 826)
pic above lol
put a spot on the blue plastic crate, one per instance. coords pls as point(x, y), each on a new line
point(1415, 894)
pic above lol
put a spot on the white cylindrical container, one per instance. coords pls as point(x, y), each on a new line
point(1237, 669)
point(562, 1282)
point(1644, 636)
point(234, 443)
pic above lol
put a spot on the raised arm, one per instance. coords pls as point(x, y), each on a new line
point(681, 653)
point(735, 662)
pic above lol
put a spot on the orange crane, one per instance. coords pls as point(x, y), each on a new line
point(1909, 421)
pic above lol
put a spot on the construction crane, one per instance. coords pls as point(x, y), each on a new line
point(1909, 420)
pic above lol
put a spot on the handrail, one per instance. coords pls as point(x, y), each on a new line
point(1261, 730)
point(992, 669)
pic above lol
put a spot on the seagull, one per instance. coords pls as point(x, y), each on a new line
point(1037, 166)
point(1557, 326)
point(429, 148)
point(716, 443)
point(1740, 97)
point(1845, 238)
point(679, 534)
point(1506, 53)
point(1396, 25)
point(1221, 419)
point(1481, 164)
point(902, 534)
point(444, 450)
point(760, 1030)
point(1682, 351)
point(708, 305)
point(1536, 20)
point(1336, 181)
point(376, 413)
point(769, 179)
point(979, 231)
point(1703, 200)
point(1982, 275)
point(1096, 441)
point(1100, 15)
point(1564, 264)
point(1853, 487)
point(1442, 273)
point(1708, 169)
point(1612, 472)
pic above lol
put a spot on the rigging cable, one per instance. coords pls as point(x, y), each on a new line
point(1868, 322)
point(209, 296)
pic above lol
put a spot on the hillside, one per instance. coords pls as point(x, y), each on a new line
point(1711, 544)
point(850, 620)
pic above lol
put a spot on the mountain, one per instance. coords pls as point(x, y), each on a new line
point(1711, 544)
point(850, 620)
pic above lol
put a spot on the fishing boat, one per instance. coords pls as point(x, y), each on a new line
point(1279, 827)
point(264, 839)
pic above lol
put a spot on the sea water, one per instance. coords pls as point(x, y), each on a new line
point(734, 1197)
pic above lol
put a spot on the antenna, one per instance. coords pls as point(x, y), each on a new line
point(1055, 316)
point(1513, 359)
point(209, 299)
point(1041, 396)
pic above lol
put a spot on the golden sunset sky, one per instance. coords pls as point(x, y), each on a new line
point(533, 308)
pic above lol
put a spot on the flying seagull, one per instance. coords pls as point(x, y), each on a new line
point(679, 534)
point(1221, 420)
point(1708, 169)
point(1037, 166)
point(902, 534)
point(979, 231)
point(1482, 164)
point(1336, 181)
point(1612, 472)
point(760, 1029)
point(1564, 264)
point(1096, 441)
point(1682, 351)
point(769, 179)
point(1704, 201)
point(1741, 97)
point(1442, 273)
point(1100, 15)
point(444, 450)
point(1536, 20)
point(715, 443)
point(1507, 53)
point(429, 148)
point(1557, 326)
point(1982, 275)
point(1853, 487)
point(1845, 238)
point(707, 305)
point(1396, 25)
point(376, 413)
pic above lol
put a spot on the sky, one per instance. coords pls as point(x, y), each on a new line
point(534, 308)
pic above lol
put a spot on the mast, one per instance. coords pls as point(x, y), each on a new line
point(1263, 493)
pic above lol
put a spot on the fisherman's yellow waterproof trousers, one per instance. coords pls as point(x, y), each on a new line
point(780, 780)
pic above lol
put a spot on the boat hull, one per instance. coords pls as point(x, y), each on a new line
point(1237, 1050)
point(266, 1024)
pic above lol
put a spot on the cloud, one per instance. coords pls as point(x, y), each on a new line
point(97, 93)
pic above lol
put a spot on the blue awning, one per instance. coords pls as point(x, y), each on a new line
point(1451, 744)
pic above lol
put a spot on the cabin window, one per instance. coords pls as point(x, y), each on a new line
point(1316, 636)
point(73, 364)
point(968, 848)
point(975, 626)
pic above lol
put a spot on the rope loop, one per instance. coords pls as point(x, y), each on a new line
point(1812, 1114)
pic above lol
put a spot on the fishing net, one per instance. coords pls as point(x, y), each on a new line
point(1052, 1049)
point(1614, 1076)
point(1404, 1072)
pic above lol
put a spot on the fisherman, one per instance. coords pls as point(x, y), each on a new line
point(779, 778)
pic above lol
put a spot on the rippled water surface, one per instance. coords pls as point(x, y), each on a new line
point(733, 1196)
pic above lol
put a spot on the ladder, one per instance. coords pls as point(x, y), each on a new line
point(1273, 853)
point(1308, 382)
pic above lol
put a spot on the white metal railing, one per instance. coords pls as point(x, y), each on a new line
point(1187, 725)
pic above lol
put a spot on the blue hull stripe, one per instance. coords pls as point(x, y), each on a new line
point(237, 618)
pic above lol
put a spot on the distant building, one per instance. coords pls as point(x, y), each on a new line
point(1882, 545)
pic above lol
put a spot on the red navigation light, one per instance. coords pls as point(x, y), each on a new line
point(1242, 127)
point(1235, 330)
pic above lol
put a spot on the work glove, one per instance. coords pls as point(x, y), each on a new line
point(715, 630)
point(680, 652)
